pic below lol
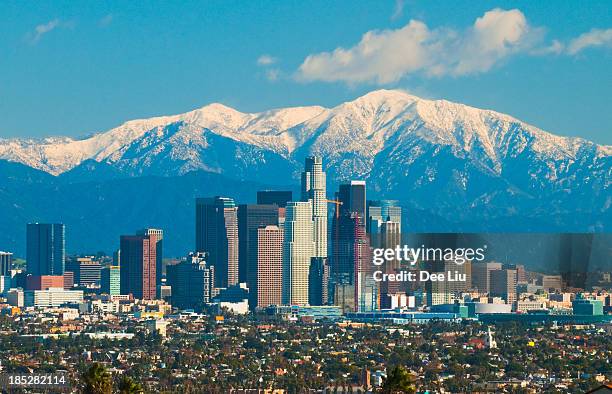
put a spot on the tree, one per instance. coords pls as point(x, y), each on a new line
point(128, 386)
point(399, 381)
point(97, 380)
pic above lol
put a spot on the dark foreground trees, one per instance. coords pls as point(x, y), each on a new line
point(399, 381)
point(97, 380)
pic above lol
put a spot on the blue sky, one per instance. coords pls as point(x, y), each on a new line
point(72, 68)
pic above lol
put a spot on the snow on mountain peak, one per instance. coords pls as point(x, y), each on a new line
point(376, 121)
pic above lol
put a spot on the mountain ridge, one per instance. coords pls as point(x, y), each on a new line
point(453, 168)
point(377, 116)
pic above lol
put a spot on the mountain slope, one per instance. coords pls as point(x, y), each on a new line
point(453, 167)
point(360, 129)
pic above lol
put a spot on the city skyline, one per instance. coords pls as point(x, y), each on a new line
point(272, 197)
point(278, 245)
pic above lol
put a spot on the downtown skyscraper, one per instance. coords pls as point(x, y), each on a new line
point(266, 284)
point(46, 249)
point(217, 235)
point(250, 218)
point(298, 250)
point(192, 282)
point(157, 236)
point(314, 189)
point(351, 250)
point(138, 266)
point(6, 263)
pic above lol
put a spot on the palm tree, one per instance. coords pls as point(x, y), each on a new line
point(128, 386)
point(399, 381)
point(97, 380)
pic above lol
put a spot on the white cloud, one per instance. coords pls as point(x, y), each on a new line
point(265, 60)
point(556, 47)
point(41, 30)
point(593, 38)
point(385, 56)
point(398, 9)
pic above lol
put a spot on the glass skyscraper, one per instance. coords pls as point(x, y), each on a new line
point(217, 235)
point(46, 248)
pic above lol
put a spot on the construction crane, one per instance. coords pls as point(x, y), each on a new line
point(337, 203)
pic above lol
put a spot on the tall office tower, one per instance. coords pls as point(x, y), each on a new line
point(503, 284)
point(192, 282)
point(379, 211)
point(266, 279)
point(6, 263)
point(46, 249)
point(138, 266)
point(111, 280)
point(318, 281)
point(278, 197)
point(350, 264)
point(445, 292)
point(298, 249)
point(217, 235)
point(481, 275)
point(250, 218)
point(350, 245)
point(353, 198)
point(388, 237)
point(313, 189)
point(156, 235)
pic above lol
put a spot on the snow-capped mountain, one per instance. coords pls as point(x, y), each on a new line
point(453, 168)
point(434, 153)
point(382, 122)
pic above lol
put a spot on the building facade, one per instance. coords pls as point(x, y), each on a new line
point(298, 249)
point(138, 266)
point(156, 236)
point(52, 298)
point(192, 282)
point(86, 271)
point(481, 275)
point(266, 282)
point(318, 281)
point(44, 282)
point(314, 190)
point(503, 284)
point(6, 263)
point(111, 280)
point(250, 218)
point(380, 211)
point(217, 235)
point(46, 248)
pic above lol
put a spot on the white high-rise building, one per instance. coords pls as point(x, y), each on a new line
point(298, 249)
point(52, 297)
point(313, 189)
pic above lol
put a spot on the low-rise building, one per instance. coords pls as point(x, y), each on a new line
point(53, 297)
